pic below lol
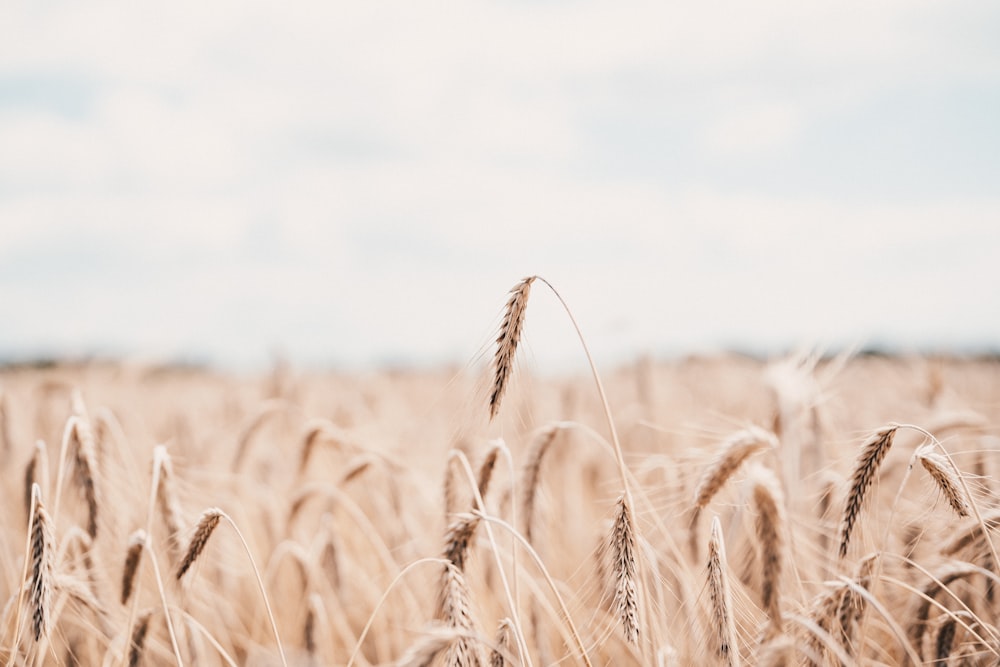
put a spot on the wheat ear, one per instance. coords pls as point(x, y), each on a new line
point(206, 525)
point(872, 454)
point(735, 450)
point(138, 639)
point(505, 631)
point(42, 566)
point(486, 469)
point(769, 524)
point(721, 598)
point(458, 537)
point(429, 647)
point(85, 470)
point(455, 609)
point(136, 544)
point(946, 478)
point(507, 340)
point(949, 574)
point(626, 588)
point(532, 474)
point(170, 507)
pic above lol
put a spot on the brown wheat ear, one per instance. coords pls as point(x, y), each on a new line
point(170, 507)
point(486, 470)
point(507, 340)
point(721, 598)
point(455, 609)
point(872, 454)
point(532, 474)
point(42, 566)
point(458, 537)
point(769, 525)
point(626, 588)
point(138, 639)
point(206, 525)
point(85, 470)
point(946, 478)
point(136, 543)
point(736, 449)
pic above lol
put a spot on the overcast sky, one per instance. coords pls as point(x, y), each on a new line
point(357, 183)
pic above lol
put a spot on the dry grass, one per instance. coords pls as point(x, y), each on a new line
point(333, 484)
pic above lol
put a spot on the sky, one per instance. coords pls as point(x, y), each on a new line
point(358, 184)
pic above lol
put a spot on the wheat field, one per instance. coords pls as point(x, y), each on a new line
point(710, 510)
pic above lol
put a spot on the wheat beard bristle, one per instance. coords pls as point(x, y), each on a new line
point(209, 520)
point(721, 598)
point(507, 340)
point(42, 557)
point(872, 454)
point(626, 591)
point(946, 478)
point(136, 543)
